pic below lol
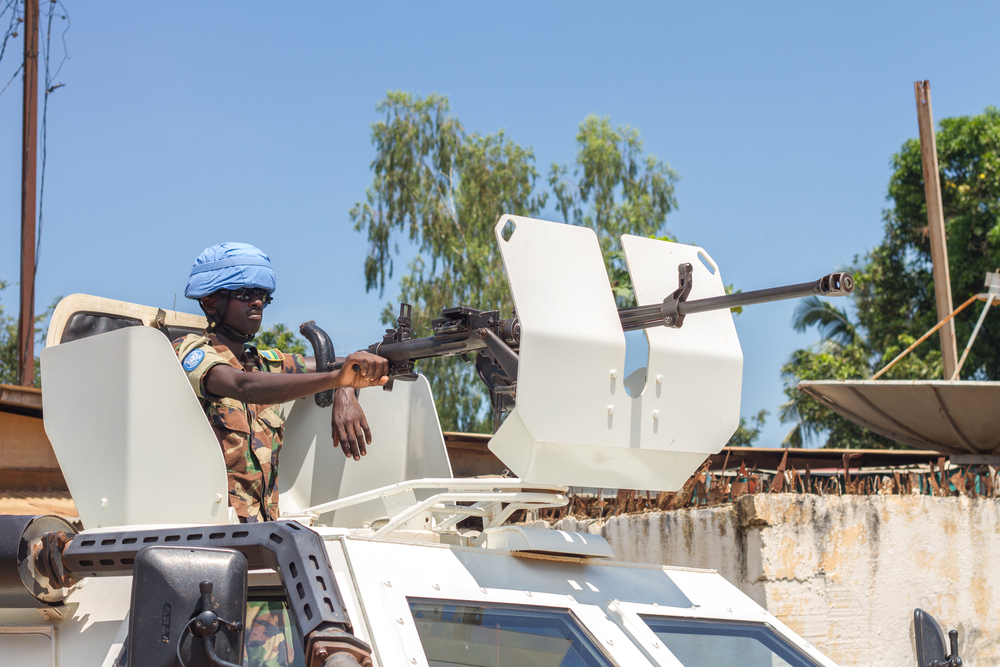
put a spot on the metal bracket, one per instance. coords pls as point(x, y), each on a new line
point(295, 552)
point(493, 500)
point(685, 281)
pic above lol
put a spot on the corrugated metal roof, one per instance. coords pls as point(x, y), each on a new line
point(950, 417)
point(23, 400)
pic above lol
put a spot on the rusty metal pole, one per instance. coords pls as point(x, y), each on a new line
point(29, 146)
point(935, 225)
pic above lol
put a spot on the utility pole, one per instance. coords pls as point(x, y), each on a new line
point(935, 226)
point(29, 147)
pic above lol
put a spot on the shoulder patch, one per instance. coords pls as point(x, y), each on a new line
point(192, 360)
point(271, 355)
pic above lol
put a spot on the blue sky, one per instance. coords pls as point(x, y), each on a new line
point(185, 124)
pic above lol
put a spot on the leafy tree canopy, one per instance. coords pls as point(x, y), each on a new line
point(442, 190)
point(8, 342)
point(279, 336)
point(894, 295)
point(748, 432)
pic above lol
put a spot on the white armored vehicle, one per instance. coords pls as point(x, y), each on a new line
point(392, 561)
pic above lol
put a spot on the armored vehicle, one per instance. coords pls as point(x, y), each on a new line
point(392, 561)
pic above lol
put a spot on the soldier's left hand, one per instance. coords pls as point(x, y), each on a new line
point(350, 427)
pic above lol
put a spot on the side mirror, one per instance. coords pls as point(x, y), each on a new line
point(187, 603)
point(930, 642)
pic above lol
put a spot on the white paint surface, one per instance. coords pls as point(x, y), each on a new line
point(406, 444)
point(843, 572)
point(695, 407)
point(129, 433)
point(574, 423)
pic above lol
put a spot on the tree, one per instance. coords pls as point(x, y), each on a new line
point(8, 345)
point(746, 435)
point(894, 296)
point(8, 342)
point(617, 191)
point(443, 190)
point(280, 337)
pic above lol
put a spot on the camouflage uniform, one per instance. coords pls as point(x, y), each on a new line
point(250, 434)
point(268, 636)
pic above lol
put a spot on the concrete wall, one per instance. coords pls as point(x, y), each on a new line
point(844, 572)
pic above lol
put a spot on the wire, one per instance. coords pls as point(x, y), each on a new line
point(49, 87)
point(177, 649)
point(11, 27)
point(16, 72)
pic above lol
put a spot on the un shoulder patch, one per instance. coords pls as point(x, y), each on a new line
point(192, 360)
point(271, 355)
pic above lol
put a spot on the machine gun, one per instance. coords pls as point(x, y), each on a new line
point(462, 331)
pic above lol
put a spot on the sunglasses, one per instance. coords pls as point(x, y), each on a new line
point(249, 294)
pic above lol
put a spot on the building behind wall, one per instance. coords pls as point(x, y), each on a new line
point(30, 479)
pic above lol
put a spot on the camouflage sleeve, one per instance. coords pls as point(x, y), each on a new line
point(197, 356)
point(293, 363)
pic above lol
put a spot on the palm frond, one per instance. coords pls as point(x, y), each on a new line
point(834, 324)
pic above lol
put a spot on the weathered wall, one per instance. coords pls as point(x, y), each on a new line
point(26, 457)
point(845, 572)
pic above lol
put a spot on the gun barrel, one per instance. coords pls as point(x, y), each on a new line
point(644, 317)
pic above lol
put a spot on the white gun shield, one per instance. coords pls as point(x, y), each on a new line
point(129, 433)
point(574, 424)
point(407, 444)
point(694, 373)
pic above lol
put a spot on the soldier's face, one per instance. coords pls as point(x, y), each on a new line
point(244, 316)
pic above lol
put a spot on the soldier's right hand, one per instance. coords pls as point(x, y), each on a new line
point(364, 369)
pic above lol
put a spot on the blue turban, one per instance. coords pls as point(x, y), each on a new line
point(230, 266)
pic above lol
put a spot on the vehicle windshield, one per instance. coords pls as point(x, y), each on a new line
point(457, 634)
point(697, 643)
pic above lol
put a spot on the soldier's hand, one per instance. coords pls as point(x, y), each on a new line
point(350, 427)
point(363, 369)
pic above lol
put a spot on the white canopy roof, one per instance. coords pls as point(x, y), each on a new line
point(950, 417)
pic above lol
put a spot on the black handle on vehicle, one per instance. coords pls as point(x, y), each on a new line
point(325, 356)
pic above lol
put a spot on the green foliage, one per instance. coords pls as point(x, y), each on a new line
point(443, 191)
point(746, 435)
point(894, 294)
point(617, 191)
point(8, 345)
point(8, 342)
point(897, 290)
point(280, 337)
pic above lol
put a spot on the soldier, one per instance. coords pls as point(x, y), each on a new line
point(240, 386)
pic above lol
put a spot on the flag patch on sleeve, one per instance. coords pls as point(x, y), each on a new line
point(271, 355)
